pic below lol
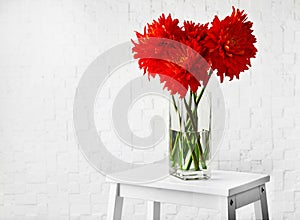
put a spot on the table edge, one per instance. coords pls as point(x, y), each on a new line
point(230, 192)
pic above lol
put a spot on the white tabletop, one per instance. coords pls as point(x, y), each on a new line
point(224, 183)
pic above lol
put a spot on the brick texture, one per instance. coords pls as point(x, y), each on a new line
point(45, 48)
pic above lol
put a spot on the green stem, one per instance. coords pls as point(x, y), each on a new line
point(176, 109)
point(195, 158)
point(177, 134)
point(189, 163)
point(197, 135)
point(175, 144)
point(202, 91)
point(190, 121)
point(190, 115)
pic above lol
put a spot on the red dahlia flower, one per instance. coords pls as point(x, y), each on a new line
point(195, 35)
point(173, 53)
point(231, 44)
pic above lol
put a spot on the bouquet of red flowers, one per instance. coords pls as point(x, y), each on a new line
point(184, 58)
point(226, 46)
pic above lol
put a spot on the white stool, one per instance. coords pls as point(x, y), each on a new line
point(225, 191)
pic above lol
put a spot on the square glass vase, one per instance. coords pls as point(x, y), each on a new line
point(190, 137)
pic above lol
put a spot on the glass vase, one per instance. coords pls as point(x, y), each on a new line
point(190, 136)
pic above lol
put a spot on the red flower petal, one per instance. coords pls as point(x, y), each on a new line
point(231, 44)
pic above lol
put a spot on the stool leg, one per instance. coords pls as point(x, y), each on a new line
point(258, 211)
point(153, 212)
point(231, 208)
point(115, 203)
point(261, 206)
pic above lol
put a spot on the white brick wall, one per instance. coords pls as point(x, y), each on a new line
point(45, 47)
